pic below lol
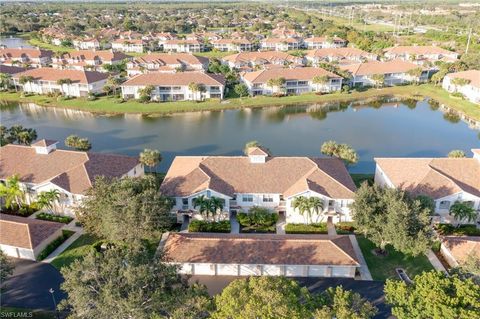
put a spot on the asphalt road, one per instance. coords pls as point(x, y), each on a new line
point(29, 285)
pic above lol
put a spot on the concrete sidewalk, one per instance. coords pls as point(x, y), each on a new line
point(364, 271)
point(281, 225)
point(436, 263)
point(235, 226)
point(331, 228)
point(63, 246)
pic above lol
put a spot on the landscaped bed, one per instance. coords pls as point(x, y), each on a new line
point(462, 230)
point(314, 228)
point(345, 228)
point(54, 218)
point(77, 250)
point(54, 244)
point(257, 220)
point(24, 210)
point(203, 226)
point(383, 267)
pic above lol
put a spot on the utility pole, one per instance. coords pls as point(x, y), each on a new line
point(468, 41)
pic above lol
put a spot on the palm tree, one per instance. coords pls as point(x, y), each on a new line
point(12, 192)
point(150, 158)
point(308, 207)
point(459, 82)
point(194, 88)
point(217, 205)
point(276, 82)
point(315, 205)
point(47, 199)
point(5, 80)
point(300, 203)
point(416, 73)
point(462, 211)
point(61, 82)
point(23, 79)
point(320, 80)
point(203, 204)
point(379, 79)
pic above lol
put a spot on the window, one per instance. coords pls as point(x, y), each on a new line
point(331, 203)
point(444, 204)
point(247, 198)
point(302, 82)
point(267, 198)
point(184, 201)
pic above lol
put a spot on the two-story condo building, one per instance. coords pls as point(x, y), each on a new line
point(249, 61)
point(260, 180)
point(420, 54)
point(67, 82)
point(394, 72)
point(280, 44)
point(297, 81)
point(471, 87)
point(175, 86)
point(42, 167)
point(188, 46)
point(25, 57)
point(324, 42)
point(445, 180)
point(132, 45)
point(239, 45)
point(339, 55)
point(87, 59)
point(166, 62)
point(87, 44)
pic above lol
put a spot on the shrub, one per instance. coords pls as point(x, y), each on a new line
point(24, 210)
point(257, 216)
point(54, 218)
point(345, 227)
point(314, 228)
point(462, 230)
point(436, 246)
point(54, 244)
point(209, 227)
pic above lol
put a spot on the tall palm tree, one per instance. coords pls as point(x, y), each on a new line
point(203, 204)
point(150, 158)
point(462, 211)
point(300, 203)
point(315, 204)
point(47, 199)
point(308, 207)
point(320, 80)
point(195, 88)
point(5, 79)
point(12, 192)
point(217, 205)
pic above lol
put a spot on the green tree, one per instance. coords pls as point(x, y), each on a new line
point(378, 79)
point(208, 206)
point(320, 80)
point(263, 297)
point(24, 79)
point(438, 77)
point(125, 209)
point(459, 82)
point(46, 200)
point(150, 158)
point(21, 135)
point(78, 143)
point(469, 268)
point(344, 304)
point(309, 206)
point(195, 88)
point(6, 267)
point(456, 154)
point(415, 73)
point(433, 295)
point(5, 80)
point(12, 192)
point(426, 202)
point(123, 282)
point(241, 90)
point(389, 216)
point(463, 212)
point(146, 93)
point(276, 83)
point(251, 144)
point(342, 151)
point(63, 82)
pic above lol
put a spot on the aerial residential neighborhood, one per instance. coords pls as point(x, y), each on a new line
point(261, 159)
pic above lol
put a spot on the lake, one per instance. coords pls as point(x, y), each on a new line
point(373, 129)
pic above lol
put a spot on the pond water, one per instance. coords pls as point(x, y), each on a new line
point(373, 129)
point(13, 42)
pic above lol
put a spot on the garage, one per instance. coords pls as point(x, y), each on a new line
point(262, 255)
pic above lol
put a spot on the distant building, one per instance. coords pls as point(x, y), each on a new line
point(239, 45)
point(280, 44)
point(175, 86)
point(188, 46)
point(339, 55)
point(166, 62)
point(75, 83)
point(87, 60)
point(420, 54)
point(132, 45)
point(297, 81)
point(470, 89)
point(324, 42)
point(86, 44)
point(249, 61)
point(25, 57)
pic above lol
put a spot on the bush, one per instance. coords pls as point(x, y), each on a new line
point(258, 220)
point(209, 227)
point(54, 244)
point(24, 210)
point(54, 218)
point(345, 227)
point(314, 228)
point(462, 230)
point(436, 246)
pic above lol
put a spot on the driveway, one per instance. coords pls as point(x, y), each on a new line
point(371, 290)
point(28, 286)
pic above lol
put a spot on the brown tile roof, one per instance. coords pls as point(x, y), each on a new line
point(127, 41)
point(307, 73)
point(71, 170)
point(9, 53)
point(171, 58)
point(25, 232)
point(50, 74)
point(324, 39)
point(472, 75)
point(341, 53)
point(179, 41)
point(260, 249)
point(233, 41)
point(462, 247)
point(435, 177)
point(378, 67)
point(103, 55)
point(280, 40)
point(257, 151)
point(278, 175)
point(44, 143)
point(418, 50)
point(179, 78)
point(269, 56)
point(11, 69)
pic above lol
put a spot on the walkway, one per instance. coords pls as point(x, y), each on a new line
point(364, 271)
point(436, 263)
point(281, 224)
point(331, 228)
point(186, 222)
point(64, 245)
point(235, 226)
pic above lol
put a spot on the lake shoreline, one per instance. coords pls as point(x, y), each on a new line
point(107, 105)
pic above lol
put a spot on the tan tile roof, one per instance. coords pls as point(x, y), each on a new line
point(257, 151)
point(130, 41)
point(462, 247)
point(50, 74)
point(179, 41)
point(171, 58)
point(179, 78)
point(341, 53)
point(263, 55)
point(280, 40)
point(435, 177)
point(11, 69)
point(103, 55)
point(378, 67)
point(71, 170)
point(44, 143)
point(323, 39)
point(233, 41)
point(25, 232)
point(9, 53)
point(418, 50)
point(307, 73)
point(278, 175)
point(472, 75)
point(260, 249)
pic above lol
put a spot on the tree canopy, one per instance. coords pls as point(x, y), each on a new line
point(17, 134)
point(463, 212)
point(78, 143)
point(343, 304)
point(150, 158)
point(456, 154)
point(342, 151)
point(6, 267)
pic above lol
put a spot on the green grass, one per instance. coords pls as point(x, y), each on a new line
point(214, 54)
point(10, 312)
point(48, 46)
point(314, 228)
point(76, 250)
point(383, 268)
point(50, 248)
point(358, 179)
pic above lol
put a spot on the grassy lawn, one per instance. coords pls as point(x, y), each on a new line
point(48, 46)
point(76, 250)
point(10, 312)
point(358, 179)
point(383, 268)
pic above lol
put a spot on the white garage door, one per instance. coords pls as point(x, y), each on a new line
point(227, 270)
point(294, 271)
point(204, 269)
point(272, 270)
point(340, 272)
point(317, 271)
point(250, 270)
point(185, 269)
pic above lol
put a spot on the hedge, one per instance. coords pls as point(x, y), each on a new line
point(55, 244)
point(55, 218)
point(314, 228)
point(462, 230)
point(209, 227)
point(345, 227)
point(24, 210)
